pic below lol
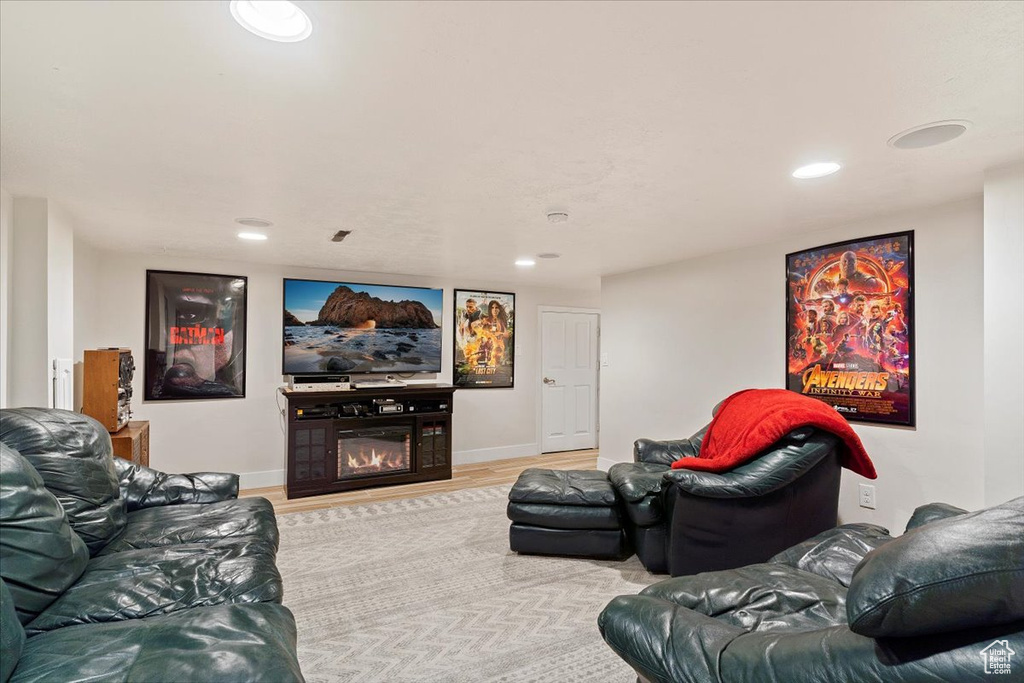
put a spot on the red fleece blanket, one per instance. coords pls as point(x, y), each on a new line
point(750, 421)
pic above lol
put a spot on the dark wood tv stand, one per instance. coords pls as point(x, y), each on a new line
point(345, 440)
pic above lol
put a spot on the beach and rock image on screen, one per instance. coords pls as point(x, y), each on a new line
point(351, 328)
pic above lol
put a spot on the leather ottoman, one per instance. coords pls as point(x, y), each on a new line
point(566, 512)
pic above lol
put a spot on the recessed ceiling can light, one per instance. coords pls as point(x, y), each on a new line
point(558, 217)
point(548, 254)
point(929, 135)
point(525, 262)
point(277, 20)
point(253, 236)
point(253, 222)
point(818, 170)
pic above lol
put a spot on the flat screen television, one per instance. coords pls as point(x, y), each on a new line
point(349, 328)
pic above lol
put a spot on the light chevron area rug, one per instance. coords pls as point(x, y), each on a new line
point(426, 589)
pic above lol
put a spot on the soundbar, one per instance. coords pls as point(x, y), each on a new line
point(378, 384)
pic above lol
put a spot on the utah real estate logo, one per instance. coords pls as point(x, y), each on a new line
point(997, 657)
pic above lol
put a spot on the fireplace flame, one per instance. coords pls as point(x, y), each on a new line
point(367, 461)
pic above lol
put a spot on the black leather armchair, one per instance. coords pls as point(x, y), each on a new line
point(685, 521)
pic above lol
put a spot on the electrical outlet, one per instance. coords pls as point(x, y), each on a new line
point(867, 496)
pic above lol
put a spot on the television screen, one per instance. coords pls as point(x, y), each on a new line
point(344, 327)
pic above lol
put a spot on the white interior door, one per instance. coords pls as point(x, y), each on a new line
point(569, 393)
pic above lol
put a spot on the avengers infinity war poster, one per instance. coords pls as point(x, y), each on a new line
point(484, 339)
point(850, 327)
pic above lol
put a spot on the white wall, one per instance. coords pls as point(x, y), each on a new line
point(1004, 334)
point(86, 327)
point(30, 372)
point(60, 286)
point(245, 435)
point(39, 290)
point(6, 285)
point(681, 337)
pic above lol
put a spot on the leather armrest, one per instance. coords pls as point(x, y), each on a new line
point(144, 487)
point(663, 452)
point(636, 480)
point(777, 468)
point(933, 512)
point(664, 642)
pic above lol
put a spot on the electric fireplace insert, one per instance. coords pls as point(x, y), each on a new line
point(374, 451)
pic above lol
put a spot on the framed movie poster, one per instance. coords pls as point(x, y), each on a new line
point(850, 327)
point(484, 339)
point(195, 335)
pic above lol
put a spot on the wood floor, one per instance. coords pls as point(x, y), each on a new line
point(463, 477)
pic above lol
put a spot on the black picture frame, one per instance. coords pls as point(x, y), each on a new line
point(483, 345)
point(195, 335)
point(856, 353)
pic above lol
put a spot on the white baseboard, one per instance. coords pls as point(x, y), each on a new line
point(499, 453)
point(605, 463)
point(259, 480)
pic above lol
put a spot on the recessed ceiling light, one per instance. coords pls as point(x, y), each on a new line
point(929, 135)
point(548, 254)
point(277, 20)
point(525, 262)
point(558, 217)
point(822, 168)
point(253, 222)
point(254, 236)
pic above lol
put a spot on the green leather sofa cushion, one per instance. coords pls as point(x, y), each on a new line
point(758, 597)
point(40, 556)
point(12, 635)
point(143, 487)
point(242, 519)
point(838, 655)
point(835, 553)
point(141, 583)
point(212, 644)
point(959, 573)
point(72, 453)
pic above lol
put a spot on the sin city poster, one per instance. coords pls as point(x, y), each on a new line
point(195, 335)
point(850, 327)
point(484, 339)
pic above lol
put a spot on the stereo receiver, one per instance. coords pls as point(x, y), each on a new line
point(318, 383)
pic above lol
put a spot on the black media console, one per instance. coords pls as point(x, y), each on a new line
point(345, 440)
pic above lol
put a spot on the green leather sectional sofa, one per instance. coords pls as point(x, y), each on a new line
point(944, 602)
point(116, 572)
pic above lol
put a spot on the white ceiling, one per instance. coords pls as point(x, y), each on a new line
point(442, 133)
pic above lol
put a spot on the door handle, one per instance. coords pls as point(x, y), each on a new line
point(549, 381)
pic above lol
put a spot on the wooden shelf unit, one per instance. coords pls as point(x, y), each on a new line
point(132, 442)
